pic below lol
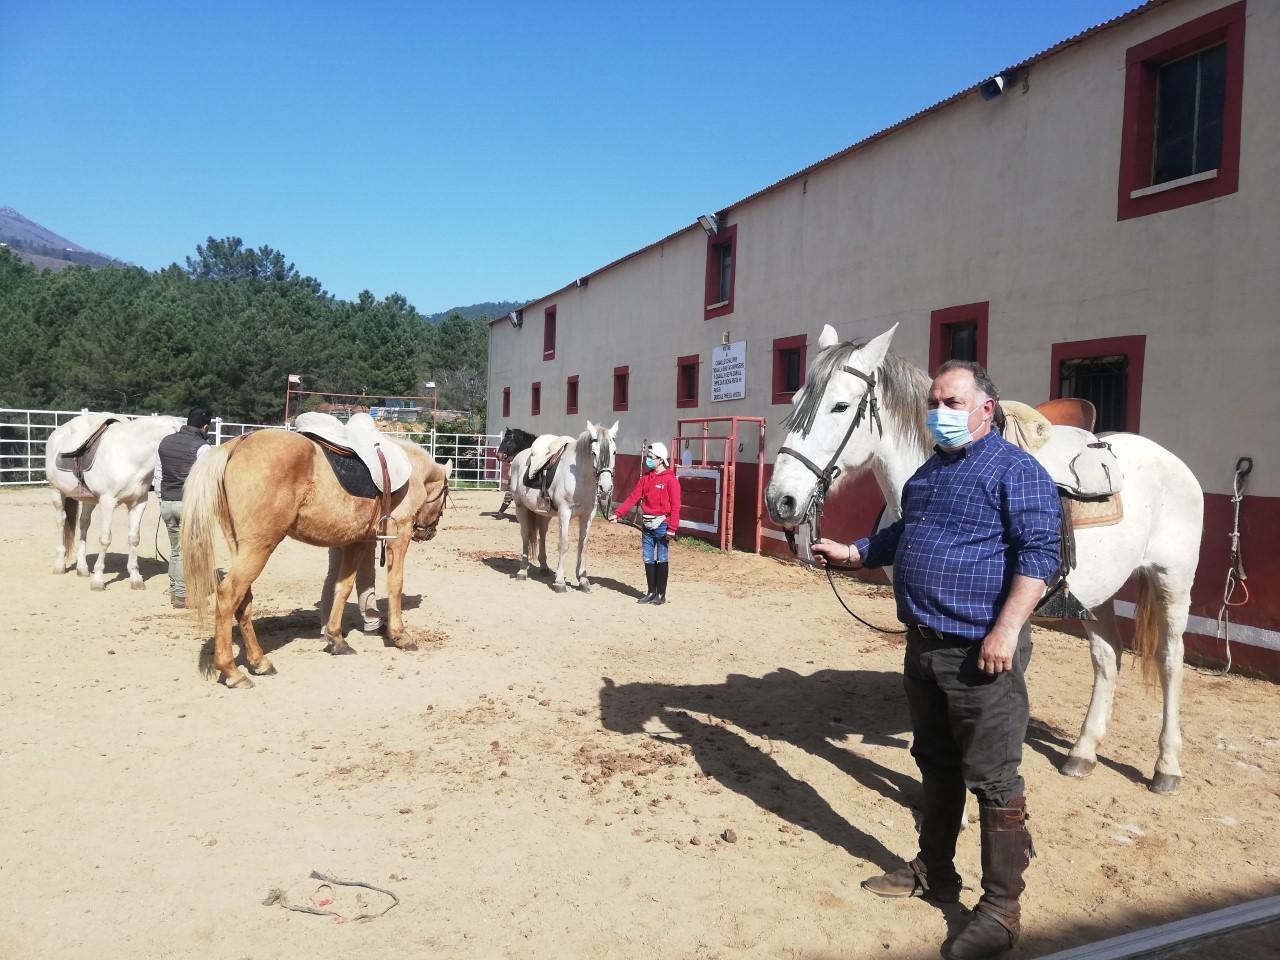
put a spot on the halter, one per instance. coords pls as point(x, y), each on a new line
point(826, 477)
point(602, 464)
point(810, 523)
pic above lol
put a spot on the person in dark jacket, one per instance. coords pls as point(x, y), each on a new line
point(176, 456)
point(658, 494)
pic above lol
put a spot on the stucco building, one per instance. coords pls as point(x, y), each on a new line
point(1106, 224)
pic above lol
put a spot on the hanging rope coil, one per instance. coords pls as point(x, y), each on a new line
point(1236, 576)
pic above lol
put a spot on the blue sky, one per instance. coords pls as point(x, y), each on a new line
point(464, 152)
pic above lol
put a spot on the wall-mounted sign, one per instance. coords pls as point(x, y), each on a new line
point(729, 371)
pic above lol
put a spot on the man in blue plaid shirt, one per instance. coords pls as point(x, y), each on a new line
point(977, 542)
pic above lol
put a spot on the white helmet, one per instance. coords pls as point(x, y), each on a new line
point(659, 450)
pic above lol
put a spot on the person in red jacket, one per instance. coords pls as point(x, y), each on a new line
point(658, 494)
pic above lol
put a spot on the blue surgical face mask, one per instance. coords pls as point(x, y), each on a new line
point(650, 463)
point(950, 428)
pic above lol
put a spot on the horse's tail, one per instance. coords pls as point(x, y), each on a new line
point(204, 505)
point(1146, 628)
point(72, 515)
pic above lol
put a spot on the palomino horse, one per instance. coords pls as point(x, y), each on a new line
point(584, 476)
point(836, 423)
point(274, 484)
point(123, 460)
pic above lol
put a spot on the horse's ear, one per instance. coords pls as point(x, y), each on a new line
point(828, 337)
point(447, 469)
point(591, 428)
point(872, 355)
point(613, 431)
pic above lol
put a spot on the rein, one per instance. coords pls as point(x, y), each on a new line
point(809, 523)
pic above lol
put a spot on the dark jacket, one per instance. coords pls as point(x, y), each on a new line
point(177, 456)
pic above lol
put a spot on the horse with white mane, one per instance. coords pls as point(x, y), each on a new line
point(1157, 541)
point(115, 469)
point(584, 476)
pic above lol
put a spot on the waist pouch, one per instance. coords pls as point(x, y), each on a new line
point(652, 522)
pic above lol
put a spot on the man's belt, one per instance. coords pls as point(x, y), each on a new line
point(940, 636)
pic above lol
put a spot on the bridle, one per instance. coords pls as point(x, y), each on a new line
point(868, 405)
point(423, 531)
point(810, 521)
point(602, 460)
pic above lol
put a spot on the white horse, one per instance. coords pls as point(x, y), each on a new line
point(1158, 539)
point(584, 476)
point(123, 461)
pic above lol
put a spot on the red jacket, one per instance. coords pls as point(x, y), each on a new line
point(658, 495)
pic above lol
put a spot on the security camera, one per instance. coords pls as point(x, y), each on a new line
point(990, 89)
point(516, 317)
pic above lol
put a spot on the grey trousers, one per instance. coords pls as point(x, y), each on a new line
point(967, 726)
point(366, 599)
point(171, 514)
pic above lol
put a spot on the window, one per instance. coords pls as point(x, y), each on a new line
point(687, 381)
point(571, 395)
point(621, 376)
point(506, 402)
point(958, 333)
point(1182, 97)
point(535, 401)
point(549, 333)
point(721, 270)
point(1107, 373)
point(788, 367)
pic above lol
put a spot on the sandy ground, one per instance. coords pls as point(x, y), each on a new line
point(555, 776)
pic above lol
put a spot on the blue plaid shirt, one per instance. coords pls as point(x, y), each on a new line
point(971, 520)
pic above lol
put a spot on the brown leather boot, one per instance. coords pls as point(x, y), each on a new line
point(932, 874)
point(1006, 853)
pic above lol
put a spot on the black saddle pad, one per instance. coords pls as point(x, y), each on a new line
point(352, 474)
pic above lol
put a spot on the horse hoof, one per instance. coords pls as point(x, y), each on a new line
point(402, 643)
point(263, 669)
point(137, 585)
point(97, 585)
point(1165, 783)
point(522, 574)
point(1077, 767)
point(338, 648)
point(584, 587)
point(559, 588)
point(243, 683)
point(82, 573)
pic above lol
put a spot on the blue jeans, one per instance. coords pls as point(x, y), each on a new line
point(654, 543)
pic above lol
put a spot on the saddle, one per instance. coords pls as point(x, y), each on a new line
point(365, 463)
point(1085, 471)
point(80, 460)
point(544, 460)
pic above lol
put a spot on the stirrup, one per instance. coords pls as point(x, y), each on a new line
point(381, 526)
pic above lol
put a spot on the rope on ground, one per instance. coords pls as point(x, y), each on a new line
point(1235, 562)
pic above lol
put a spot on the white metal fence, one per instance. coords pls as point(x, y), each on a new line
point(24, 434)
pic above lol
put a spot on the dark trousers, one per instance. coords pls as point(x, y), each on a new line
point(967, 726)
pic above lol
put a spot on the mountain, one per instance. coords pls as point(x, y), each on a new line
point(44, 249)
point(476, 310)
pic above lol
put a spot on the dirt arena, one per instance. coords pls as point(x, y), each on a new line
point(556, 776)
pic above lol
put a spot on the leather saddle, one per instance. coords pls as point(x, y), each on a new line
point(80, 460)
point(360, 441)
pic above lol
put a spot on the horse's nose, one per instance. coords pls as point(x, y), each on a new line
point(782, 509)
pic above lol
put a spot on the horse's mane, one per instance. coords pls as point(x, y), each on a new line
point(902, 390)
point(521, 436)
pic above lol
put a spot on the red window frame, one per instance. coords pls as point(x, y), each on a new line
point(781, 346)
point(621, 376)
point(1134, 348)
point(549, 333)
point(682, 364)
point(535, 399)
point(506, 402)
point(942, 322)
point(571, 394)
point(713, 305)
point(1137, 144)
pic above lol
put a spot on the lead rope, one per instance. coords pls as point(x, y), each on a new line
point(1235, 562)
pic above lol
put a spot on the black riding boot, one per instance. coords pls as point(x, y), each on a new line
point(932, 874)
point(661, 596)
point(1006, 853)
point(650, 576)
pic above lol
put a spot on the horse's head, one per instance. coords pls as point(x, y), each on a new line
point(836, 425)
point(427, 519)
point(508, 445)
point(604, 449)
